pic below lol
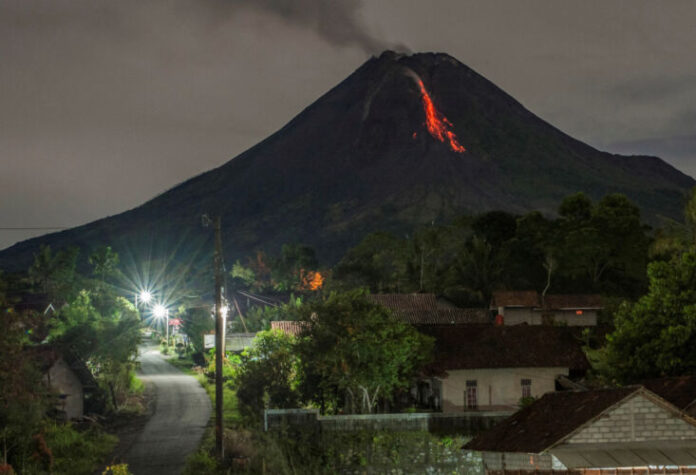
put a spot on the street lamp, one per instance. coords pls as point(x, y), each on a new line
point(144, 296)
point(160, 311)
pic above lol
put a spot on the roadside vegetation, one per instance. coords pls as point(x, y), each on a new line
point(95, 331)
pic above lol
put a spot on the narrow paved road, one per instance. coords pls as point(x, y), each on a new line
point(182, 410)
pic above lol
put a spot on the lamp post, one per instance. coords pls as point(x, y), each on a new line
point(161, 311)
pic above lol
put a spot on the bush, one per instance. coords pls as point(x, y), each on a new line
point(77, 452)
point(199, 359)
point(201, 462)
point(135, 385)
point(120, 469)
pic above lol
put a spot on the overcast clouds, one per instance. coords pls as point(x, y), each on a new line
point(104, 104)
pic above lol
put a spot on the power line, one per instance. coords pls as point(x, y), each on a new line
point(30, 228)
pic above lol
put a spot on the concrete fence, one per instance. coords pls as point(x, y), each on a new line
point(463, 423)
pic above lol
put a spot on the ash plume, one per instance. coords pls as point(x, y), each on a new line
point(338, 22)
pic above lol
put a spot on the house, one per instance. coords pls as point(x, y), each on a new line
point(427, 309)
point(515, 307)
point(488, 368)
point(68, 378)
point(635, 426)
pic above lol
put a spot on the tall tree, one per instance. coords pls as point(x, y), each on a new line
point(22, 394)
point(603, 247)
point(378, 262)
point(54, 273)
point(267, 373)
point(656, 336)
point(104, 263)
point(354, 352)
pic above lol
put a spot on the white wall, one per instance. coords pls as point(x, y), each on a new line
point(63, 381)
point(515, 316)
point(496, 388)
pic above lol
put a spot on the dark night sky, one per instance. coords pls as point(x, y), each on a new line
point(105, 104)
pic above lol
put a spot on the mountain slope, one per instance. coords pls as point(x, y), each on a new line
point(363, 158)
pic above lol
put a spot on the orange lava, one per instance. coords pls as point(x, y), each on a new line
point(438, 125)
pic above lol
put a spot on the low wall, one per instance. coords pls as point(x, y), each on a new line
point(463, 423)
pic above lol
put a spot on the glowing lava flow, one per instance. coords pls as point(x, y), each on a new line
point(438, 125)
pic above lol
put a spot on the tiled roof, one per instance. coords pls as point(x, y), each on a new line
point(487, 346)
point(573, 301)
point(424, 309)
point(546, 421)
point(406, 302)
point(46, 356)
point(288, 326)
point(531, 299)
point(680, 391)
point(515, 298)
point(555, 415)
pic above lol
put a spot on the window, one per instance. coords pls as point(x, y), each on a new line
point(471, 396)
point(526, 388)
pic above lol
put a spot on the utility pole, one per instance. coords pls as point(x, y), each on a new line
point(219, 340)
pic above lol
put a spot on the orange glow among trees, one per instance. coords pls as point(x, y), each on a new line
point(437, 124)
point(311, 280)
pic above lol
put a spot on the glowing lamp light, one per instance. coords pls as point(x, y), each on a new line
point(578, 312)
point(145, 296)
point(159, 311)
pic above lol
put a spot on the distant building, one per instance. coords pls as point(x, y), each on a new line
point(635, 426)
point(427, 309)
point(490, 368)
point(527, 306)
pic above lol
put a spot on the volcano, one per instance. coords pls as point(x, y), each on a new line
point(403, 141)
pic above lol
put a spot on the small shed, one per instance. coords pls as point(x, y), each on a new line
point(68, 378)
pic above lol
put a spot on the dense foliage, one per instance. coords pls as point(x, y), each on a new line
point(656, 336)
point(355, 353)
point(589, 247)
point(266, 375)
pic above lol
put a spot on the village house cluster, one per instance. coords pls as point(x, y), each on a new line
point(526, 351)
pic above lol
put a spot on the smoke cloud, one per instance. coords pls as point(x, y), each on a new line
point(338, 21)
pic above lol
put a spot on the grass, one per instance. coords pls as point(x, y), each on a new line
point(77, 452)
